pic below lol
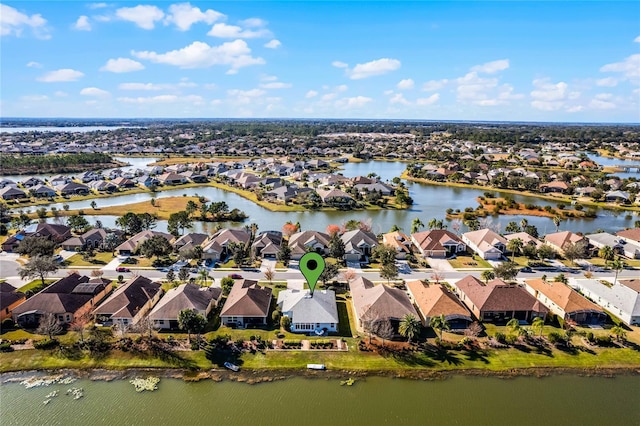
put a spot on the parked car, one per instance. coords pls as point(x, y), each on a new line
point(58, 258)
point(235, 276)
point(526, 269)
point(122, 269)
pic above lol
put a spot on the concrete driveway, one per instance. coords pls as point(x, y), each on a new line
point(441, 265)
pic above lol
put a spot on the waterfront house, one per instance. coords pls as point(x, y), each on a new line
point(129, 302)
point(189, 241)
point(130, 247)
point(147, 181)
point(559, 240)
point(335, 197)
point(10, 298)
point(42, 191)
point(622, 298)
point(400, 241)
point(358, 245)
point(31, 182)
point(305, 241)
point(68, 298)
point(555, 187)
point(93, 238)
point(488, 244)
point(123, 182)
point(247, 305)
point(438, 243)
point(373, 303)
point(619, 245)
point(433, 300)
point(171, 179)
point(617, 197)
point(526, 239)
point(497, 301)
point(72, 188)
point(53, 232)
point(317, 314)
point(59, 180)
point(187, 296)
point(216, 247)
point(630, 235)
point(12, 193)
point(103, 186)
point(565, 302)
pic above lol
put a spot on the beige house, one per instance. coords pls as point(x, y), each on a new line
point(433, 300)
point(488, 244)
point(559, 240)
point(247, 304)
point(129, 302)
point(565, 302)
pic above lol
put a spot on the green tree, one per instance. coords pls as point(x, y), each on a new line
point(512, 227)
point(556, 222)
point(203, 276)
point(36, 246)
point(284, 254)
point(440, 324)
point(619, 332)
point(330, 271)
point(183, 274)
point(77, 223)
point(409, 327)
point(572, 251)
point(336, 247)
point(514, 326)
point(178, 222)
point(506, 271)
point(191, 321)
point(269, 274)
point(606, 253)
point(487, 276)
point(155, 246)
point(538, 324)
point(94, 205)
point(546, 252)
point(285, 322)
point(191, 207)
point(389, 271)
point(617, 265)
point(515, 247)
point(227, 284)
point(38, 267)
point(41, 212)
point(49, 325)
point(171, 276)
point(416, 225)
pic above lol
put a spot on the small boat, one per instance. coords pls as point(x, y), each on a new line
point(316, 367)
point(231, 367)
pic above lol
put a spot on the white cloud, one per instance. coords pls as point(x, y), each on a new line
point(97, 5)
point(13, 22)
point(140, 86)
point(548, 96)
point(235, 54)
point(65, 74)
point(473, 88)
point(34, 98)
point(122, 65)
point(61, 94)
point(341, 88)
point(144, 16)
point(637, 39)
point(600, 104)
point(492, 67)
point(311, 94)
point(433, 85)
point(275, 85)
point(273, 44)
point(607, 82)
point(373, 68)
point(223, 30)
point(163, 99)
point(354, 102)
point(399, 98)
point(630, 67)
point(245, 97)
point(428, 101)
point(82, 24)
point(183, 15)
point(576, 108)
point(34, 64)
point(405, 84)
point(254, 22)
point(339, 64)
point(94, 91)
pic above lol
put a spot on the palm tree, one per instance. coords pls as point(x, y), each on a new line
point(515, 246)
point(514, 325)
point(409, 327)
point(416, 225)
point(439, 323)
point(487, 276)
point(524, 223)
point(432, 223)
point(617, 265)
point(619, 332)
point(203, 276)
point(606, 253)
point(538, 324)
point(556, 222)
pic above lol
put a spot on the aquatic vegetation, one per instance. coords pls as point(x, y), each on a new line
point(148, 384)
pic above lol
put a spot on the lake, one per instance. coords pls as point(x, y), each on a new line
point(459, 400)
point(69, 129)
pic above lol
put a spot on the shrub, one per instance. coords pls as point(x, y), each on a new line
point(556, 337)
point(589, 336)
point(6, 347)
point(603, 340)
point(500, 337)
point(7, 324)
point(578, 207)
point(45, 344)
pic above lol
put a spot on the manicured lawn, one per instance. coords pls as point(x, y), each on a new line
point(601, 262)
point(35, 285)
point(99, 260)
point(469, 262)
point(163, 207)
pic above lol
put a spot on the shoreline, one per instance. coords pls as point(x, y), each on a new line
point(256, 376)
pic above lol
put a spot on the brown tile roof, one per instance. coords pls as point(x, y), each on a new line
point(9, 295)
point(435, 299)
point(186, 296)
point(564, 296)
point(379, 301)
point(127, 300)
point(633, 284)
point(498, 296)
point(397, 240)
point(434, 239)
point(559, 239)
point(247, 299)
point(631, 234)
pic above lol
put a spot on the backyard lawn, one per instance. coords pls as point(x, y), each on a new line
point(100, 259)
point(35, 285)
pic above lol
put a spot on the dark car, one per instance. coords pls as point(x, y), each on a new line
point(235, 276)
point(526, 269)
point(122, 269)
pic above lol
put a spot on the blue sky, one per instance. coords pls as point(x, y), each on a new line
point(521, 61)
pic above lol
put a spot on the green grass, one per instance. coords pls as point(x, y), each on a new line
point(35, 285)
point(99, 260)
point(469, 262)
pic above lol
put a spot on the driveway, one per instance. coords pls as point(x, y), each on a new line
point(295, 284)
point(111, 266)
point(441, 265)
point(268, 264)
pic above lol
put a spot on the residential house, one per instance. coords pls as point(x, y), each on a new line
point(379, 187)
point(103, 185)
point(216, 247)
point(10, 298)
point(171, 179)
point(358, 245)
point(438, 243)
point(317, 314)
point(123, 182)
point(129, 302)
point(72, 188)
point(622, 298)
point(53, 232)
point(12, 193)
point(59, 180)
point(497, 301)
point(147, 181)
point(187, 296)
point(335, 197)
point(565, 302)
point(559, 240)
point(373, 303)
point(130, 247)
point(555, 186)
point(433, 300)
point(247, 305)
point(305, 241)
point(68, 298)
point(630, 235)
point(617, 197)
point(525, 238)
point(93, 238)
point(619, 245)
point(189, 241)
point(400, 241)
point(42, 191)
point(267, 244)
point(31, 182)
point(195, 176)
point(488, 244)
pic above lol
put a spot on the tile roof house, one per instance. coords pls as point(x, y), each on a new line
point(10, 298)
point(317, 314)
point(632, 234)
point(129, 302)
point(68, 298)
point(438, 243)
point(187, 296)
point(525, 238)
point(217, 246)
point(358, 245)
point(565, 302)
point(486, 243)
point(378, 302)
point(302, 242)
point(247, 304)
point(559, 240)
point(130, 247)
point(267, 244)
point(189, 241)
point(399, 241)
point(622, 299)
point(619, 245)
point(92, 238)
point(497, 301)
point(335, 197)
point(433, 300)
point(53, 232)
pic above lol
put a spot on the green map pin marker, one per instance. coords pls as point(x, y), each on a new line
point(312, 265)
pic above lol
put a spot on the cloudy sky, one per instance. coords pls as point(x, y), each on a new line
point(541, 61)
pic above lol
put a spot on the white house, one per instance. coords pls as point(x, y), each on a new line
point(486, 243)
point(629, 249)
point(621, 299)
point(316, 314)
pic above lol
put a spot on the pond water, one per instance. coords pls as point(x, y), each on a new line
point(68, 129)
point(608, 161)
point(460, 400)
